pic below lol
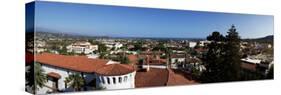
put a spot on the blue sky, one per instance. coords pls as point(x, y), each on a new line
point(116, 21)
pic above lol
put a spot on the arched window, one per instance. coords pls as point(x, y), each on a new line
point(120, 79)
point(114, 81)
point(102, 80)
point(125, 79)
point(108, 80)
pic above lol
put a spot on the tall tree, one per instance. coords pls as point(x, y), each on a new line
point(40, 77)
point(213, 60)
point(222, 60)
point(232, 55)
point(102, 48)
point(75, 81)
point(124, 59)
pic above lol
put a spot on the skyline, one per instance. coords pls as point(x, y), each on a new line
point(118, 21)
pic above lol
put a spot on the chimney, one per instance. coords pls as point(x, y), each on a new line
point(147, 62)
point(147, 68)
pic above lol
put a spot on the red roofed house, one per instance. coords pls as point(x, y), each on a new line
point(96, 72)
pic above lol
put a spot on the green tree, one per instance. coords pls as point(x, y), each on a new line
point(138, 46)
point(102, 55)
point(40, 77)
point(102, 48)
point(222, 60)
point(75, 81)
point(213, 60)
point(232, 56)
point(124, 60)
point(160, 47)
point(63, 50)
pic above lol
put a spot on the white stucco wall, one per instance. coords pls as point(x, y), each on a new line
point(82, 49)
point(192, 44)
point(63, 73)
point(127, 81)
point(173, 60)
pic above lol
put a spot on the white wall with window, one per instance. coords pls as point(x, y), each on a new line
point(61, 81)
point(117, 82)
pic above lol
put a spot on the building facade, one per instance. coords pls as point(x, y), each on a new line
point(82, 47)
point(96, 73)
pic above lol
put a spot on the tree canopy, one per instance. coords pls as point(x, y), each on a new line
point(222, 60)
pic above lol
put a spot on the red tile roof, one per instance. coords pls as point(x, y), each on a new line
point(201, 50)
point(76, 63)
point(83, 64)
point(54, 75)
point(178, 56)
point(152, 60)
point(162, 77)
point(154, 77)
point(115, 69)
point(248, 66)
point(178, 78)
point(133, 58)
point(158, 62)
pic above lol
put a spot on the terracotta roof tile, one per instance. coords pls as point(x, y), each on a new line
point(154, 77)
point(178, 79)
point(54, 75)
point(77, 63)
point(248, 66)
point(84, 64)
point(133, 58)
point(115, 69)
point(178, 56)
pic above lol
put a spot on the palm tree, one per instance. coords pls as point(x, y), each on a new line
point(75, 81)
point(40, 77)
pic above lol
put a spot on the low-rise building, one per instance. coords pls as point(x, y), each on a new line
point(82, 47)
point(97, 73)
point(192, 44)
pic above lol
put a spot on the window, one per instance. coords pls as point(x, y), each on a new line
point(102, 80)
point(108, 80)
point(114, 81)
point(125, 79)
point(120, 79)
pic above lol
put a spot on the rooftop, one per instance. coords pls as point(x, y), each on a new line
point(177, 77)
point(253, 61)
point(54, 75)
point(83, 64)
point(162, 77)
point(115, 69)
point(154, 77)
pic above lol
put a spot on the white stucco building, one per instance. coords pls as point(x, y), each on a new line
point(116, 76)
point(192, 44)
point(82, 47)
point(177, 59)
point(97, 73)
point(113, 45)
